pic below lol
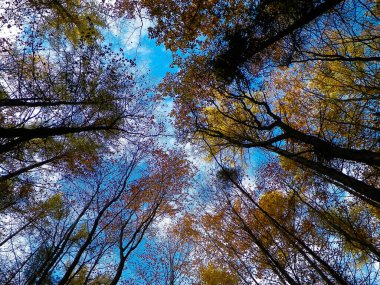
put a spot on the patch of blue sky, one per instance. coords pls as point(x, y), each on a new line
point(131, 36)
point(152, 63)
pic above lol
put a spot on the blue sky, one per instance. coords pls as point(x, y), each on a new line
point(132, 37)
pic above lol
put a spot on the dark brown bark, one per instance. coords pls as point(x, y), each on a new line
point(28, 168)
point(243, 49)
point(359, 188)
point(329, 150)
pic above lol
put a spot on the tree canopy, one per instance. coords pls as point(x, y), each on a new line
point(266, 170)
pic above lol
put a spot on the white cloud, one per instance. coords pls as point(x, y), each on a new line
point(162, 226)
point(131, 32)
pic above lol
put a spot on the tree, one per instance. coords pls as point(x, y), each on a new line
point(63, 95)
point(232, 33)
point(282, 234)
point(70, 105)
point(165, 257)
point(333, 127)
point(96, 219)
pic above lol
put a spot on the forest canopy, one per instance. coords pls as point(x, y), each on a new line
point(254, 160)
